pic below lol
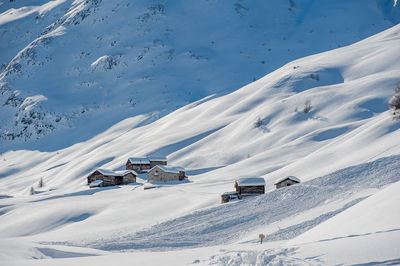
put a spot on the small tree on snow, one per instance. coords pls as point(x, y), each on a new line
point(41, 183)
point(394, 103)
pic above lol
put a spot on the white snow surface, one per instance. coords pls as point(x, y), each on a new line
point(98, 62)
point(368, 217)
point(346, 151)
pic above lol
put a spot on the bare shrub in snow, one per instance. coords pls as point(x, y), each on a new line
point(307, 107)
point(394, 103)
point(41, 183)
point(258, 123)
point(314, 76)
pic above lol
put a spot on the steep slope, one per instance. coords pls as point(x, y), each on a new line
point(81, 66)
point(349, 103)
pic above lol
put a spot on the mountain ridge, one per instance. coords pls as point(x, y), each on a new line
point(139, 62)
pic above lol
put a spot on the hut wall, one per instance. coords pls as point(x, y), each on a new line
point(137, 167)
point(119, 180)
point(107, 180)
point(95, 176)
point(129, 178)
point(251, 189)
point(163, 176)
point(154, 163)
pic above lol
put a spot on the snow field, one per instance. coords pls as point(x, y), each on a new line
point(345, 151)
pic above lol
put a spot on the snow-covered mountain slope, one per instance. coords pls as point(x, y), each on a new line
point(348, 89)
point(81, 66)
point(346, 214)
point(311, 118)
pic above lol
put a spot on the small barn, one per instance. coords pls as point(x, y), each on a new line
point(157, 160)
point(163, 173)
point(286, 181)
point(139, 165)
point(229, 196)
point(250, 186)
point(111, 178)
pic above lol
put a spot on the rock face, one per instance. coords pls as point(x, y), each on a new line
point(103, 61)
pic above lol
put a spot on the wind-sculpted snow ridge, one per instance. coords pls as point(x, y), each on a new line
point(230, 222)
point(105, 61)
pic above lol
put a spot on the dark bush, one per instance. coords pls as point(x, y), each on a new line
point(394, 103)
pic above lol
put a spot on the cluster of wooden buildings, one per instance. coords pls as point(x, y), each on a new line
point(252, 186)
point(155, 167)
point(157, 170)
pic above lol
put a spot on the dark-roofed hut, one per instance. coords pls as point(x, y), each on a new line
point(111, 178)
point(286, 181)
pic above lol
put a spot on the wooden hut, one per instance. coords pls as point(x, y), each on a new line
point(111, 178)
point(139, 165)
point(157, 160)
point(250, 186)
point(163, 173)
point(228, 196)
point(286, 181)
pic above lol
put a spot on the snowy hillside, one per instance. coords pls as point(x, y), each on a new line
point(75, 68)
point(322, 118)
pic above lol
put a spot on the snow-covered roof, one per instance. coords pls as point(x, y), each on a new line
point(96, 183)
point(146, 160)
point(251, 181)
point(133, 160)
point(293, 178)
point(125, 172)
point(105, 172)
point(157, 158)
point(230, 193)
point(170, 169)
point(115, 173)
